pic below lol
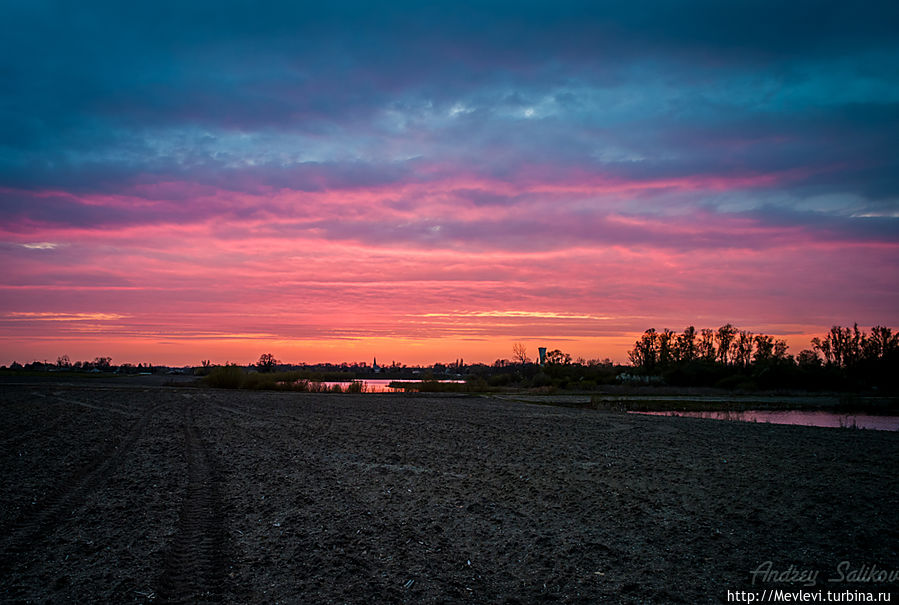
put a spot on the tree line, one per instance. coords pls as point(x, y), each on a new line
point(843, 358)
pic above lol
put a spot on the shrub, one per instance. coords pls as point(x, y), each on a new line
point(317, 387)
point(501, 380)
point(357, 386)
point(541, 380)
point(230, 376)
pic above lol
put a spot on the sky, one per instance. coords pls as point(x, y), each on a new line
point(421, 182)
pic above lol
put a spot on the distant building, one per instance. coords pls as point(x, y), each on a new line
point(542, 351)
point(374, 365)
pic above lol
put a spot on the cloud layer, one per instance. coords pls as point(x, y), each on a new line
point(462, 174)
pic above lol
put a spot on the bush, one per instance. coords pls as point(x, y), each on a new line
point(541, 380)
point(226, 377)
point(233, 376)
point(357, 386)
point(501, 380)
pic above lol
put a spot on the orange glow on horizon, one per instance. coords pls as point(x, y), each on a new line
point(246, 348)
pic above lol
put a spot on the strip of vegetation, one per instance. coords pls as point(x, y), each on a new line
point(691, 363)
point(233, 376)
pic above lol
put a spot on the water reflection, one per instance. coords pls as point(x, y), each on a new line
point(382, 385)
point(799, 417)
point(369, 386)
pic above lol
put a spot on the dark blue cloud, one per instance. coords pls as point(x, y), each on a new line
point(97, 96)
point(242, 64)
point(830, 227)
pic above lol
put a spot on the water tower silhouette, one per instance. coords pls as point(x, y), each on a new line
point(542, 351)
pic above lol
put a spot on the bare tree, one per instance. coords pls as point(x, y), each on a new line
point(520, 353)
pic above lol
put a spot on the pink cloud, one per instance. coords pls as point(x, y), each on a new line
point(470, 262)
point(313, 291)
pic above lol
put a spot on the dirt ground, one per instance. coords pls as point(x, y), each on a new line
point(147, 494)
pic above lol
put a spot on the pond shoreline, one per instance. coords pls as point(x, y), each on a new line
point(877, 406)
point(813, 418)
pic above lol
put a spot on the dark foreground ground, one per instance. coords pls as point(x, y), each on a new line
point(148, 494)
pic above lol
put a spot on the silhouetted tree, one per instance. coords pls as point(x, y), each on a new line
point(707, 344)
point(846, 358)
point(266, 363)
point(557, 357)
point(741, 348)
point(842, 347)
point(645, 353)
point(686, 344)
point(780, 350)
point(667, 341)
point(881, 343)
point(724, 337)
point(520, 353)
point(808, 359)
point(764, 348)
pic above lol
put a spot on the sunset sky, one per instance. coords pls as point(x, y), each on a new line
point(426, 181)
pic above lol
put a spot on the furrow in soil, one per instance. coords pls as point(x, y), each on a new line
point(193, 569)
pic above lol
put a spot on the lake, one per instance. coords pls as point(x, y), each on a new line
point(798, 417)
point(382, 385)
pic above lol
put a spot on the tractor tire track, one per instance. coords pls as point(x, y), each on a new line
point(193, 570)
point(113, 408)
point(48, 514)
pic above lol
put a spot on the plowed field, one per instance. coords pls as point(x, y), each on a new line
point(140, 494)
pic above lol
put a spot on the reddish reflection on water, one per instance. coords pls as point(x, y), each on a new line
point(804, 418)
point(378, 385)
point(369, 386)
